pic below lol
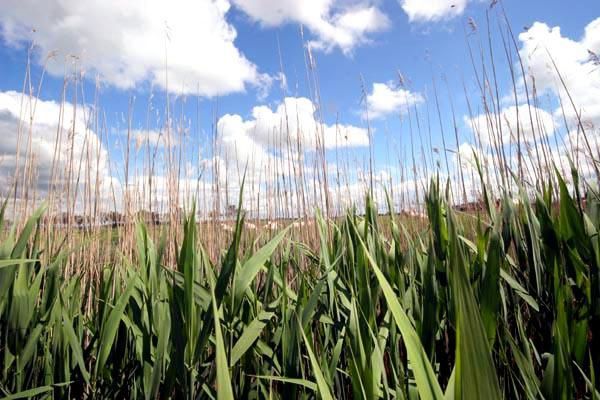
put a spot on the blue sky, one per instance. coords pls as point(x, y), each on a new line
point(350, 40)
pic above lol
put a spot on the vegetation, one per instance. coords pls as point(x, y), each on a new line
point(482, 281)
point(512, 312)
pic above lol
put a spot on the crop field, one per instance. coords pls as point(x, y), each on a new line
point(167, 268)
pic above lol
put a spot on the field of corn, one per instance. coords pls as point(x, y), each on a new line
point(510, 309)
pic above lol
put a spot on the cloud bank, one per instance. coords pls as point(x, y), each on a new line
point(333, 23)
point(386, 99)
point(577, 62)
point(432, 10)
point(133, 41)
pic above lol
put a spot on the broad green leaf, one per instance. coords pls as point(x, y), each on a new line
point(427, 384)
point(10, 263)
point(30, 393)
point(476, 376)
point(109, 328)
point(295, 381)
point(224, 390)
point(249, 336)
point(251, 267)
point(324, 390)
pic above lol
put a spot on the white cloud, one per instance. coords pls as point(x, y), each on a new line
point(386, 99)
point(238, 147)
point(540, 163)
point(468, 156)
point(152, 138)
point(268, 142)
point(487, 126)
point(591, 38)
point(541, 44)
point(126, 41)
point(579, 145)
point(52, 144)
point(335, 23)
point(432, 10)
point(272, 139)
point(575, 60)
point(292, 123)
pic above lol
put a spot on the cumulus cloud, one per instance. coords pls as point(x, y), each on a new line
point(292, 124)
point(386, 99)
point(577, 63)
point(267, 143)
point(542, 161)
point(468, 156)
point(276, 143)
point(512, 122)
point(578, 66)
point(128, 42)
point(43, 149)
point(432, 10)
point(152, 138)
point(334, 23)
point(591, 38)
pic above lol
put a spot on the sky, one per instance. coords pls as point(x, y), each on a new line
point(234, 68)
